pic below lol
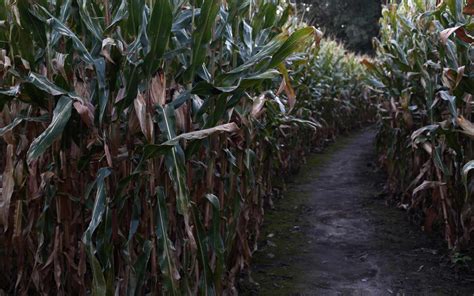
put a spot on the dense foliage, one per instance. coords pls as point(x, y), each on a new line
point(141, 139)
point(426, 81)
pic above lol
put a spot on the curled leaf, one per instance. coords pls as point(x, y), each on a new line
point(465, 173)
point(466, 126)
point(197, 135)
point(460, 33)
point(61, 115)
point(427, 185)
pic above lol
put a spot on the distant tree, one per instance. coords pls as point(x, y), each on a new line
point(355, 22)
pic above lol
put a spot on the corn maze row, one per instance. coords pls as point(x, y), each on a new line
point(142, 139)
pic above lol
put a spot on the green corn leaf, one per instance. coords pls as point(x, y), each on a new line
point(120, 14)
point(203, 34)
point(103, 93)
point(438, 161)
point(152, 151)
point(291, 45)
point(32, 28)
point(174, 159)
point(20, 119)
point(135, 18)
point(45, 85)
point(63, 15)
point(167, 264)
point(139, 269)
point(99, 286)
point(451, 103)
point(184, 19)
point(216, 241)
point(206, 284)
point(61, 28)
point(10, 92)
point(263, 54)
point(270, 15)
point(61, 115)
point(133, 75)
point(93, 26)
point(245, 83)
point(159, 31)
point(99, 205)
point(455, 6)
point(248, 41)
point(284, 16)
point(7, 94)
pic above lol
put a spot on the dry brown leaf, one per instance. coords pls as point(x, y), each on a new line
point(144, 118)
point(426, 167)
point(17, 226)
point(460, 33)
point(428, 148)
point(469, 8)
point(290, 93)
point(318, 36)
point(158, 89)
point(58, 64)
point(258, 104)
point(108, 156)
point(19, 172)
point(107, 43)
point(180, 118)
point(444, 35)
point(81, 88)
point(466, 126)
point(408, 118)
point(368, 64)
point(427, 185)
point(468, 99)
point(8, 185)
point(57, 261)
point(201, 134)
point(452, 78)
point(86, 111)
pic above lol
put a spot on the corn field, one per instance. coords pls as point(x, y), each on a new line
point(141, 140)
point(423, 74)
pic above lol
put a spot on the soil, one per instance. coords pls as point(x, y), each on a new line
point(333, 234)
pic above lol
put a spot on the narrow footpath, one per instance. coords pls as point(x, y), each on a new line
point(333, 234)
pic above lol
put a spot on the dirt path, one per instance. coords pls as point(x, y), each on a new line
point(332, 234)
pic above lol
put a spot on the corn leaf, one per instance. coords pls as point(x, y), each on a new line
point(201, 134)
point(295, 41)
point(167, 264)
point(159, 31)
point(174, 158)
point(61, 115)
point(99, 205)
point(139, 269)
point(203, 34)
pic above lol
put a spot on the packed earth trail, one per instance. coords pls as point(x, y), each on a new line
point(333, 234)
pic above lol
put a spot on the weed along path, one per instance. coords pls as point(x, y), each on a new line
point(332, 234)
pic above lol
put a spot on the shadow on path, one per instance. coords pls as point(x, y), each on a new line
point(331, 234)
